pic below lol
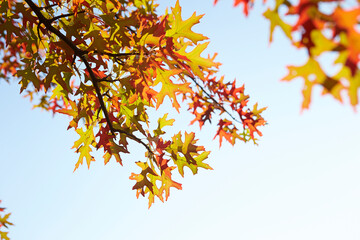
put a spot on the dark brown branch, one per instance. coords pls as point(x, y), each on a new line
point(63, 16)
point(129, 28)
point(108, 80)
point(47, 7)
point(117, 54)
point(81, 54)
point(107, 94)
point(38, 32)
point(103, 107)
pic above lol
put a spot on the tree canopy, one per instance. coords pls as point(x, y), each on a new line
point(107, 64)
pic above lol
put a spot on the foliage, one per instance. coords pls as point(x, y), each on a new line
point(106, 64)
point(321, 27)
point(4, 222)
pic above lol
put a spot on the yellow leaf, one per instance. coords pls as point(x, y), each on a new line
point(180, 28)
point(196, 62)
point(275, 21)
point(322, 44)
point(312, 73)
point(83, 145)
point(168, 87)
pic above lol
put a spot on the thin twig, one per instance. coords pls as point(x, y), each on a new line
point(108, 80)
point(117, 54)
point(46, 7)
point(131, 30)
point(63, 16)
point(213, 99)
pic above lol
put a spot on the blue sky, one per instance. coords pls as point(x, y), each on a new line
point(300, 182)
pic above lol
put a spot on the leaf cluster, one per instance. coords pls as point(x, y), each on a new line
point(106, 64)
point(322, 27)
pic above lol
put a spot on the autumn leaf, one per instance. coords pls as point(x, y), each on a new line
point(313, 74)
point(187, 154)
point(276, 21)
point(162, 122)
point(196, 62)
point(182, 28)
point(167, 182)
point(83, 146)
point(168, 88)
point(143, 184)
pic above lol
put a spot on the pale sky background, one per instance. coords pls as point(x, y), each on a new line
point(300, 182)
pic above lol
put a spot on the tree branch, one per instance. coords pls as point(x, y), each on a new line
point(47, 23)
point(63, 16)
point(109, 80)
point(46, 7)
point(117, 54)
point(81, 54)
